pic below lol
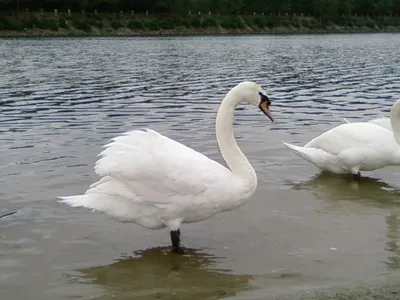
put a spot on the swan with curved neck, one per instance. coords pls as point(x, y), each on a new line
point(156, 182)
point(354, 147)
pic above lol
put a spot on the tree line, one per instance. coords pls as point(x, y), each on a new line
point(316, 8)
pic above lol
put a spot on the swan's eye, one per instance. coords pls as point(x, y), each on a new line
point(264, 98)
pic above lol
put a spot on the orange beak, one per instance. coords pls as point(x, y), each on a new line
point(265, 109)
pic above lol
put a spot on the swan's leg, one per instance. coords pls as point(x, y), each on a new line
point(175, 239)
point(355, 170)
point(357, 176)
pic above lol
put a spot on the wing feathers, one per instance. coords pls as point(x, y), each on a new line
point(157, 169)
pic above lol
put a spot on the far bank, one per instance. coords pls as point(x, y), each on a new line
point(31, 24)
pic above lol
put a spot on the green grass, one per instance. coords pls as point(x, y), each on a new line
point(182, 23)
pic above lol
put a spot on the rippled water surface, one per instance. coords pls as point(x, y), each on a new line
point(62, 99)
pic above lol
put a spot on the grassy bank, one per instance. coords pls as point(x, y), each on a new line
point(120, 24)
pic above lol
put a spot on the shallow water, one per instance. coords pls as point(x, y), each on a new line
point(62, 99)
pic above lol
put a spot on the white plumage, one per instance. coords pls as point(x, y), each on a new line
point(149, 179)
point(353, 147)
point(384, 122)
point(156, 182)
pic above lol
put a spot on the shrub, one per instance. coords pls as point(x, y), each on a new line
point(175, 21)
point(195, 22)
point(312, 24)
point(182, 22)
point(259, 22)
point(29, 22)
point(94, 16)
point(284, 22)
point(135, 24)
point(81, 24)
point(370, 24)
point(341, 21)
point(167, 24)
point(116, 24)
point(272, 21)
point(233, 22)
point(296, 22)
point(209, 22)
point(96, 23)
point(8, 23)
point(153, 24)
point(359, 22)
point(62, 22)
point(392, 21)
point(48, 23)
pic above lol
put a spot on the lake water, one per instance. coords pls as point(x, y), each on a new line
point(62, 99)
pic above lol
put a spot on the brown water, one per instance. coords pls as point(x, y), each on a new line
point(62, 99)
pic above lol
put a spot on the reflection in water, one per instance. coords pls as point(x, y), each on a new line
point(327, 186)
point(370, 191)
point(157, 273)
point(393, 244)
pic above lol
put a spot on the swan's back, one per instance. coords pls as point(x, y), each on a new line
point(158, 162)
point(384, 122)
point(352, 135)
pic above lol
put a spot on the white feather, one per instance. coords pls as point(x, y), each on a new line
point(383, 122)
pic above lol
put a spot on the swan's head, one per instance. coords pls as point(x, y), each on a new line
point(253, 93)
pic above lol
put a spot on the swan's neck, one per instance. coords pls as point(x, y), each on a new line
point(395, 120)
point(233, 156)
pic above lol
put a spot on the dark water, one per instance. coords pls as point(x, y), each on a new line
point(62, 99)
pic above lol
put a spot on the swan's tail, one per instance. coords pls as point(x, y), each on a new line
point(108, 204)
point(305, 153)
point(108, 196)
point(112, 205)
point(317, 157)
point(79, 201)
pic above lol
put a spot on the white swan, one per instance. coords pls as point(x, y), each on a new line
point(384, 122)
point(156, 182)
point(354, 147)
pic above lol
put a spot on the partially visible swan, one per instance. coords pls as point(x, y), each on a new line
point(156, 182)
point(384, 122)
point(354, 147)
